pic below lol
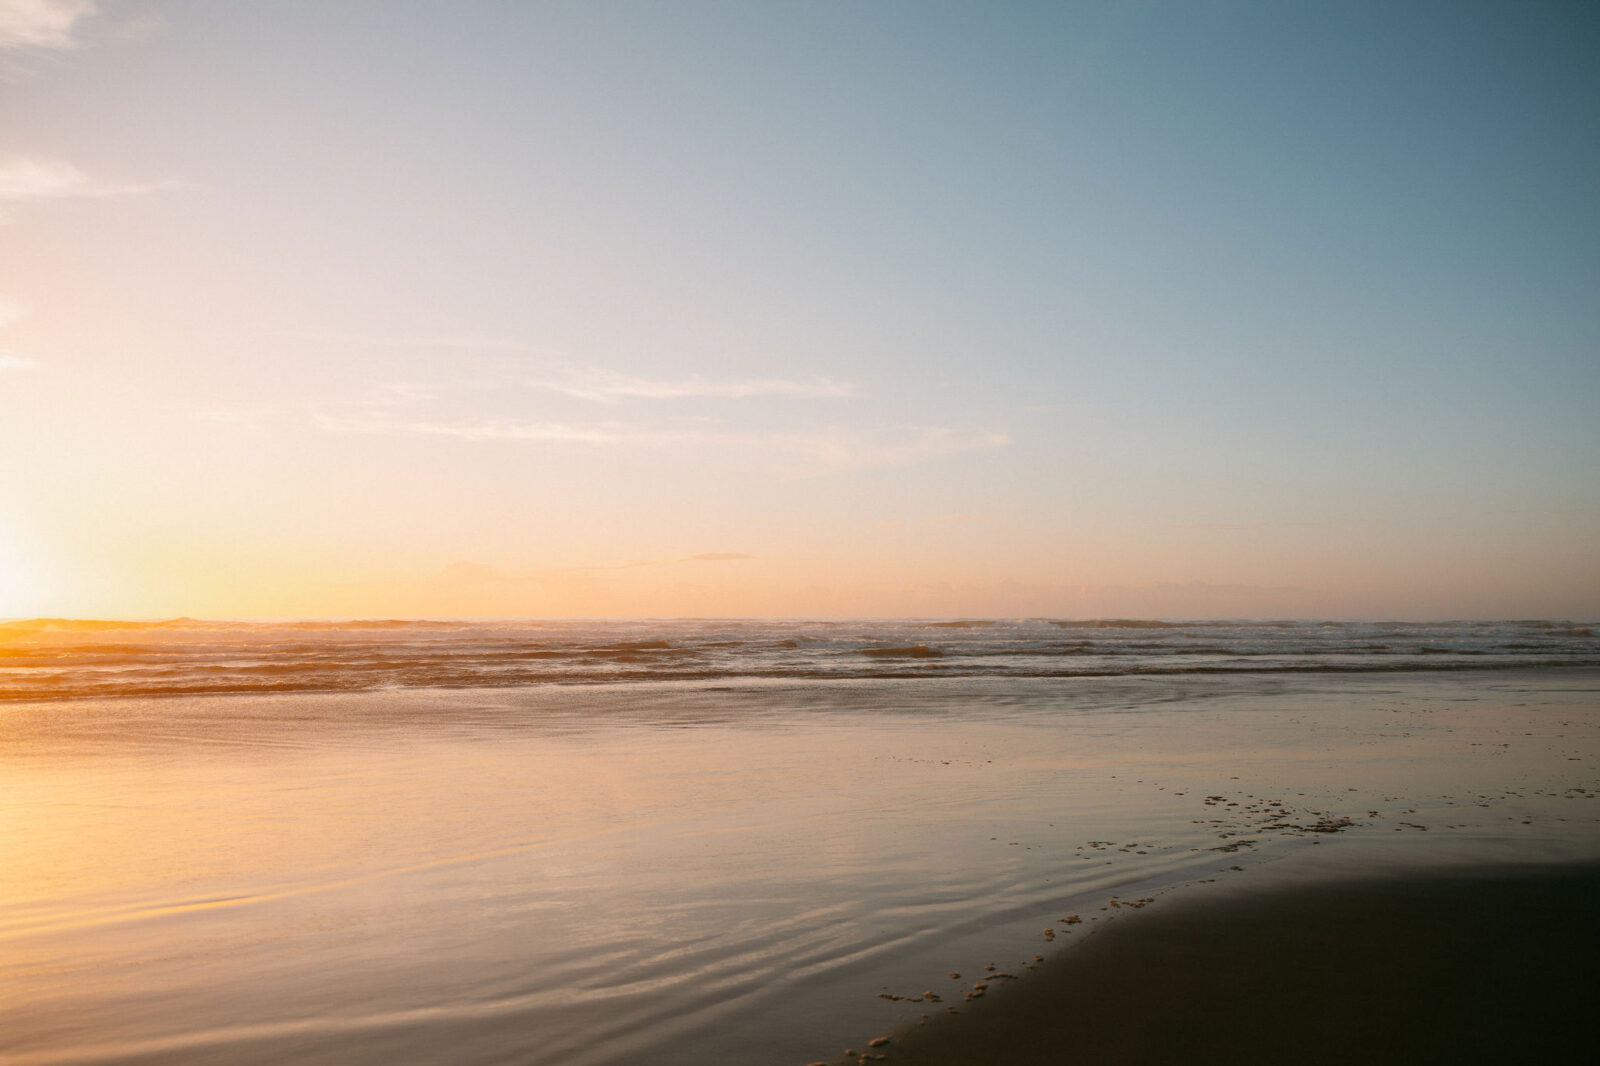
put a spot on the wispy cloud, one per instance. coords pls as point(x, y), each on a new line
point(41, 23)
point(410, 409)
point(607, 386)
point(569, 377)
point(30, 180)
point(11, 312)
point(346, 419)
point(441, 342)
point(402, 408)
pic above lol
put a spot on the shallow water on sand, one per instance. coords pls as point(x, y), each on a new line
point(683, 872)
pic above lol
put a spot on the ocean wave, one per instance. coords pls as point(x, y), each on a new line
point(288, 683)
point(45, 659)
point(1121, 623)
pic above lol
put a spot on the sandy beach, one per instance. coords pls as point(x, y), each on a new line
point(745, 871)
point(1492, 965)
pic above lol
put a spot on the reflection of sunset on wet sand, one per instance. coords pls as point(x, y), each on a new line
point(661, 872)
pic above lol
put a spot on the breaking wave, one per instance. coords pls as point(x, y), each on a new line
point(54, 658)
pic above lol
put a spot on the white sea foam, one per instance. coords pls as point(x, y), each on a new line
point(54, 659)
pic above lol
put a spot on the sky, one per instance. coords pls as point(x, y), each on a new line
point(483, 309)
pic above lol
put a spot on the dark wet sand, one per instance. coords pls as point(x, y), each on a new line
point(1493, 966)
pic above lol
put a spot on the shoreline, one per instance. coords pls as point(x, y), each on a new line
point(761, 874)
point(1485, 964)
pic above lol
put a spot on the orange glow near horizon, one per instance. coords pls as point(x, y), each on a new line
point(22, 590)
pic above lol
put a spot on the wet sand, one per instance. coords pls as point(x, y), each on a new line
point(1491, 965)
point(752, 873)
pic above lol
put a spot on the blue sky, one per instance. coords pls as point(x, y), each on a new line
point(1173, 309)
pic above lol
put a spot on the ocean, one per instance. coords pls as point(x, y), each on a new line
point(688, 841)
point(53, 658)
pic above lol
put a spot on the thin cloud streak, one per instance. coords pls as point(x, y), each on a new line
point(367, 340)
point(607, 386)
point(41, 23)
point(15, 362)
point(602, 433)
point(25, 180)
point(566, 377)
point(832, 449)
